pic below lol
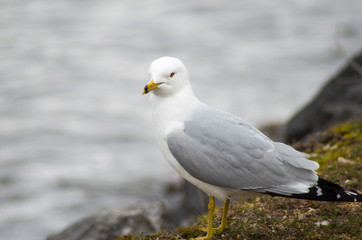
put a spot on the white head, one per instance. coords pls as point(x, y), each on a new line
point(168, 76)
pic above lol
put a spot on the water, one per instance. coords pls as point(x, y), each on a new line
point(76, 134)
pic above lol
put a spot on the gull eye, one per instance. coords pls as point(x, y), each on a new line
point(172, 74)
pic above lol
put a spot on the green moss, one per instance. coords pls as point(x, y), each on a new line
point(339, 152)
point(352, 126)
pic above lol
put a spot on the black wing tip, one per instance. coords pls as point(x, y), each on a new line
point(326, 190)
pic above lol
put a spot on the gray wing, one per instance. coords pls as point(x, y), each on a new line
point(223, 150)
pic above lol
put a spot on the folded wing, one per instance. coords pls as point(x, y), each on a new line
point(223, 150)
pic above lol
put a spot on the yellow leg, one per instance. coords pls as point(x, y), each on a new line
point(210, 231)
point(224, 220)
point(211, 208)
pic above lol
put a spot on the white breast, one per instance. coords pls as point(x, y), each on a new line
point(169, 114)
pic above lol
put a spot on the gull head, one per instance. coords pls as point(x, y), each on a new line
point(168, 76)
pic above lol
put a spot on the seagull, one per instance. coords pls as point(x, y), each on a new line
point(222, 154)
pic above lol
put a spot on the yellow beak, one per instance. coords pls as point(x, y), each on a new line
point(150, 87)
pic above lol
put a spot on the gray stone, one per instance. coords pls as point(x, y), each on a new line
point(108, 225)
point(339, 100)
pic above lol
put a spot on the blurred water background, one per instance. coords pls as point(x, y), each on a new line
point(76, 134)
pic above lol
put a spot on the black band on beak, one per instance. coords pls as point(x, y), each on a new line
point(146, 89)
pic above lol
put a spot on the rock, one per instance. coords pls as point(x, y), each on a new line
point(339, 100)
point(194, 200)
point(274, 131)
point(108, 225)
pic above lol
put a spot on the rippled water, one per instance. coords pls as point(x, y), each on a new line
point(76, 134)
